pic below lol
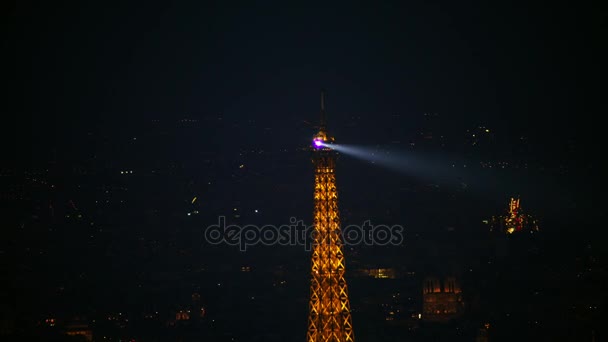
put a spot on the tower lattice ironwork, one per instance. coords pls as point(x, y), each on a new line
point(329, 318)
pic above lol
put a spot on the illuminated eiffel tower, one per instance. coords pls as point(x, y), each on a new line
point(329, 318)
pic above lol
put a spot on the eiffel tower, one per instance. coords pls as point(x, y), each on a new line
point(329, 319)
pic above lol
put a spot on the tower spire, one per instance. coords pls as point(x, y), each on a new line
point(323, 122)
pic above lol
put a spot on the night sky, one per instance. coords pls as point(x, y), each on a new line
point(96, 69)
point(534, 69)
point(222, 99)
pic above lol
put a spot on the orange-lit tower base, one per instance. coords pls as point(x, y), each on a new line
point(329, 318)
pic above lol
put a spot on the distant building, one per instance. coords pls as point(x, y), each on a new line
point(79, 328)
point(182, 315)
point(189, 314)
point(380, 273)
point(515, 220)
point(198, 311)
point(441, 303)
point(482, 333)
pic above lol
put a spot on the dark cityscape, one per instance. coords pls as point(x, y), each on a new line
point(298, 171)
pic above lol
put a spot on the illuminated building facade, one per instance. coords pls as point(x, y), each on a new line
point(381, 273)
point(515, 220)
point(80, 330)
point(329, 317)
point(441, 303)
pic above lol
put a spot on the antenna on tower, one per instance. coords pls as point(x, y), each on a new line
point(323, 122)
